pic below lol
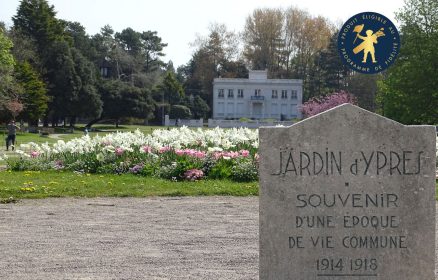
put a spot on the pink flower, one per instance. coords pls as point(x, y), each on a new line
point(317, 105)
point(200, 154)
point(34, 154)
point(119, 151)
point(179, 152)
point(244, 153)
point(147, 149)
point(193, 174)
point(164, 149)
point(217, 155)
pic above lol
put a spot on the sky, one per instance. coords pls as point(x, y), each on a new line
point(179, 21)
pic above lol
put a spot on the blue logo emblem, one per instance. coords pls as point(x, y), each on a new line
point(368, 43)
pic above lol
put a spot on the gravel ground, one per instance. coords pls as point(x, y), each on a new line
point(130, 238)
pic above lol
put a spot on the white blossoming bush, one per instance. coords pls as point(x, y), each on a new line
point(176, 154)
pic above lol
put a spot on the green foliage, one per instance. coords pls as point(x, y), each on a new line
point(221, 169)
point(6, 59)
point(37, 20)
point(180, 112)
point(364, 87)
point(124, 100)
point(244, 170)
point(63, 80)
point(328, 73)
point(6, 67)
point(88, 102)
point(198, 107)
point(34, 96)
point(171, 89)
point(409, 93)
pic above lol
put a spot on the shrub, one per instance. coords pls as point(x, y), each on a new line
point(244, 170)
point(180, 112)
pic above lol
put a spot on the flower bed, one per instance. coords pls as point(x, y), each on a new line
point(176, 154)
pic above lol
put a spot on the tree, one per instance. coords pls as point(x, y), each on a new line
point(37, 19)
point(200, 108)
point(10, 104)
point(64, 82)
point(364, 87)
point(409, 92)
point(88, 102)
point(81, 41)
point(180, 112)
point(152, 48)
point(171, 90)
point(121, 100)
point(263, 39)
point(34, 96)
point(334, 73)
point(216, 55)
point(6, 65)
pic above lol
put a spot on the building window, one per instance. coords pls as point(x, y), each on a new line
point(257, 92)
point(240, 93)
point(284, 94)
point(220, 93)
point(293, 94)
point(230, 93)
point(274, 94)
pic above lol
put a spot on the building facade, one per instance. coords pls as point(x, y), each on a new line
point(257, 97)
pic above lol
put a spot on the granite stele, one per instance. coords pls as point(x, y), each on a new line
point(347, 194)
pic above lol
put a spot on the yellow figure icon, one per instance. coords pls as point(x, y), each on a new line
point(367, 46)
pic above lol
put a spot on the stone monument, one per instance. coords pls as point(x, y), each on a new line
point(347, 194)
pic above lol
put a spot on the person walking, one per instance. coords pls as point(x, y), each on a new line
point(12, 132)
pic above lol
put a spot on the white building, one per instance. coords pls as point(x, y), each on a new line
point(257, 97)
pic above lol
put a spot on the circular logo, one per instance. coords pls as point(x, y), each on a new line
point(368, 43)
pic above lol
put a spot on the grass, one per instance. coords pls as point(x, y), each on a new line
point(36, 184)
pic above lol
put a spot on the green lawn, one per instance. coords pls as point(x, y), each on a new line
point(35, 184)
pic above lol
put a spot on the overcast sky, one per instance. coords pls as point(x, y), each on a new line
point(178, 21)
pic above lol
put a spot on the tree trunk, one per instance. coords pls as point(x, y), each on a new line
point(93, 122)
point(72, 121)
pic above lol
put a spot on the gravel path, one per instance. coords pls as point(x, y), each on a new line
point(130, 238)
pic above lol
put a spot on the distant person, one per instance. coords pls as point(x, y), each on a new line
point(12, 132)
point(86, 131)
